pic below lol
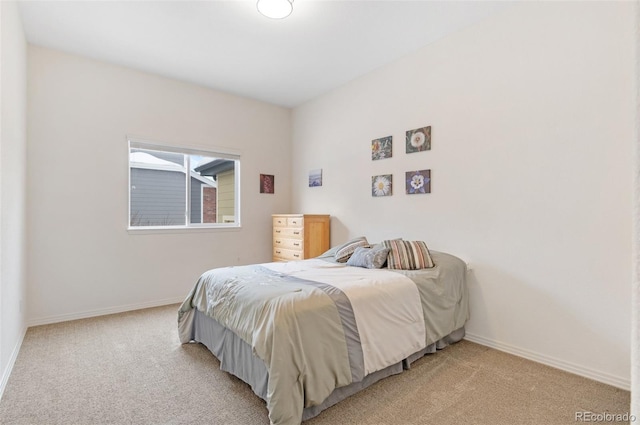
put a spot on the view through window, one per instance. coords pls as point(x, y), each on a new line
point(171, 187)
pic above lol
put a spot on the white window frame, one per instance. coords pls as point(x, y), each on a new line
point(202, 203)
point(134, 142)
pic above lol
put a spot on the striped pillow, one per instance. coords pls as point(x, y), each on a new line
point(408, 255)
point(344, 251)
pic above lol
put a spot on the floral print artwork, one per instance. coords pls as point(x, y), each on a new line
point(419, 140)
point(418, 181)
point(381, 148)
point(381, 185)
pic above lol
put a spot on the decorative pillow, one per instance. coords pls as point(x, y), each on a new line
point(408, 255)
point(344, 251)
point(371, 258)
point(329, 254)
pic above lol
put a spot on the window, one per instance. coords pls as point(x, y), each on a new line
point(176, 187)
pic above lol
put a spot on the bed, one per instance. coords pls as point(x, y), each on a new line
point(307, 334)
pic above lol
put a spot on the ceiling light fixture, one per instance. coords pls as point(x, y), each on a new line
point(275, 9)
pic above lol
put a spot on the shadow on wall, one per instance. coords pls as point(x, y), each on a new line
point(339, 232)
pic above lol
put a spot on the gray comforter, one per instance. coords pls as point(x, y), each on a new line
point(305, 330)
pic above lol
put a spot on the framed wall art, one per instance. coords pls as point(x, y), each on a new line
point(382, 148)
point(418, 140)
point(267, 183)
point(381, 185)
point(418, 182)
point(315, 178)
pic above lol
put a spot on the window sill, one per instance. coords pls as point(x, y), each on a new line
point(174, 230)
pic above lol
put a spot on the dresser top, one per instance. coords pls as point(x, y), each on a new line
point(300, 215)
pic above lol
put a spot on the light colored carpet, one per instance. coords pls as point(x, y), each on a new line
point(129, 368)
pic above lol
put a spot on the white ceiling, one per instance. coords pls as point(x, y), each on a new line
point(229, 46)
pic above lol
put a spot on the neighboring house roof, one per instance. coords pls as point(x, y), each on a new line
point(215, 167)
point(147, 161)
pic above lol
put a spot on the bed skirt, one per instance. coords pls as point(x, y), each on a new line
point(236, 357)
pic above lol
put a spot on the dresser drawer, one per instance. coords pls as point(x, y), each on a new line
point(295, 244)
point(287, 232)
point(279, 221)
point(295, 221)
point(286, 254)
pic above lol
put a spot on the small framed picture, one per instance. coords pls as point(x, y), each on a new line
point(419, 140)
point(381, 185)
point(267, 183)
point(382, 148)
point(418, 182)
point(315, 178)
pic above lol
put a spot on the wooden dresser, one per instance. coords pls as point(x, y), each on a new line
point(300, 236)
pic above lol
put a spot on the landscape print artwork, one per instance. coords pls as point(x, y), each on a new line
point(418, 182)
point(381, 148)
point(419, 140)
point(381, 185)
point(315, 177)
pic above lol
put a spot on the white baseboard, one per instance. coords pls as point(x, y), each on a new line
point(12, 361)
point(605, 378)
point(101, 312)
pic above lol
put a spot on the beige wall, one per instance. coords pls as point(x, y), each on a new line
point(532, 115)
point(13, 141)
point(82, 260)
